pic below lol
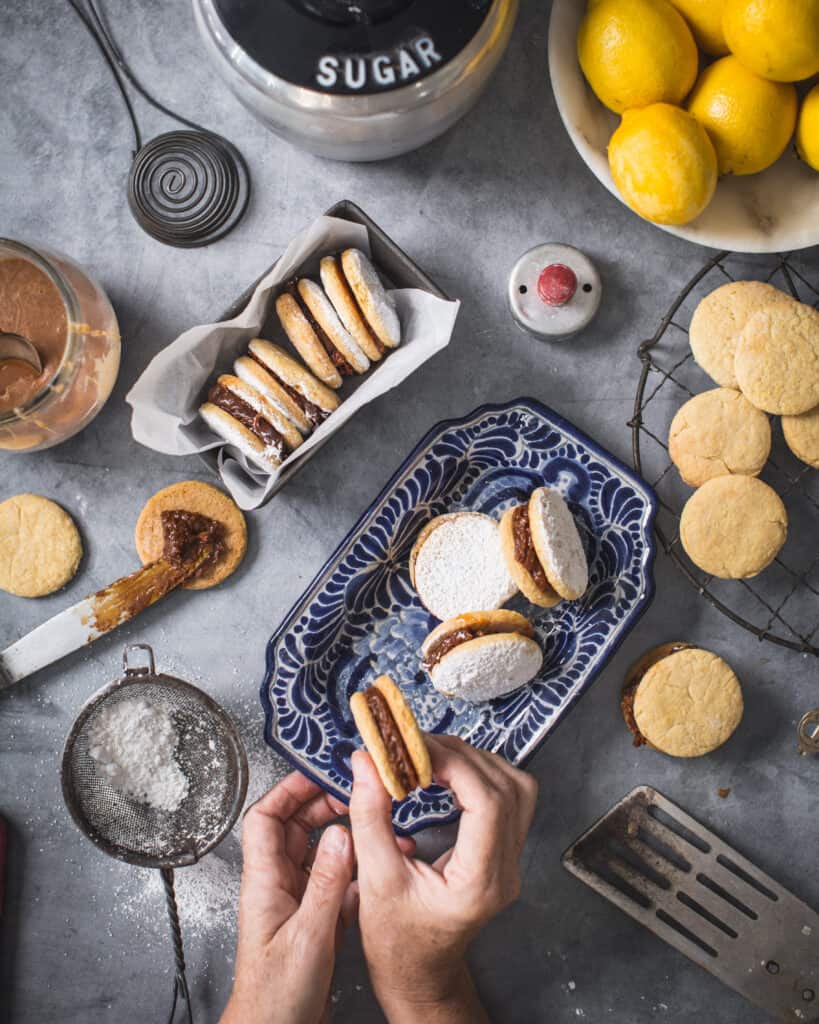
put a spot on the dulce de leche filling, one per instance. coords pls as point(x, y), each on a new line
point(314, 413)
point(525, 553)
point(30, 305)
point(397, 753)
point(336, 357)
point(244, 412)
point(448, 642)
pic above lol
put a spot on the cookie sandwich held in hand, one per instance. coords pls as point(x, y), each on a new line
point(317, 334)
point(392, 736)
point(243, 417)
point(543, 550)
point(288, 385)
point(681, 700)
point(478, 656)
point(363, 305)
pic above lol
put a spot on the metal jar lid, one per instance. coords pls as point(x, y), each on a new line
point(357, 79)
point(554, 291)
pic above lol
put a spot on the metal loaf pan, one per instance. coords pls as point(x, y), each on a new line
point(394, 266)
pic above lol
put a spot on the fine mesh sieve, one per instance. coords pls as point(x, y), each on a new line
point(209, 753)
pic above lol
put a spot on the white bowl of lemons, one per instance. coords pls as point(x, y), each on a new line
point(700, 115)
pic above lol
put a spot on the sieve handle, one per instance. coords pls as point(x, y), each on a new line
point(180, 984)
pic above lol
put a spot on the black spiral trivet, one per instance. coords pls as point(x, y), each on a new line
point(185, 188)
point(780, 605)
point(188, 188)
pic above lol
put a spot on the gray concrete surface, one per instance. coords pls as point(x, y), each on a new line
point(85, 938)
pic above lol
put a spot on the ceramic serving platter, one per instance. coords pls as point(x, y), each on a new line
point(360, 616)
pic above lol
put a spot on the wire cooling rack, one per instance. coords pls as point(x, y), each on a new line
point(780, 605)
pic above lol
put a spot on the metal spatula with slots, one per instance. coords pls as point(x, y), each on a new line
point(667, 871)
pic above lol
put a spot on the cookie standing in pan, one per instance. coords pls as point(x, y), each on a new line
point(362, 303)
point(314, 329)
point(244, 418)
point(305, 399)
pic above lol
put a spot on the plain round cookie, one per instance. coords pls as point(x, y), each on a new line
point(802, 436)
point(718, 320)
point(777, 359)
point(733, 526)
point(194, 496)
point(40, 547)
point(688, 703)
point(457, 565)
point(716, 433)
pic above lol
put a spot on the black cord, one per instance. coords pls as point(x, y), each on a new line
point(101, 34)
point(111, 64)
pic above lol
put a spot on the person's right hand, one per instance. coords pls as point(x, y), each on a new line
point(417, 919)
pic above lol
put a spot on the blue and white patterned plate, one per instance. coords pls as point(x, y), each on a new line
point(360, 616)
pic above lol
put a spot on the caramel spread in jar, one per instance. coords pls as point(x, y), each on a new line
point(30, 305)
point(336, 357)
point(525, 552)
point(399, 758)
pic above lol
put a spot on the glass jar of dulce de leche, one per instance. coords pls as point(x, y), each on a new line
point(65, 315)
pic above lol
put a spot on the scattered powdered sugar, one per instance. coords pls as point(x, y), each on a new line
point(134, 744)
point(460, 567)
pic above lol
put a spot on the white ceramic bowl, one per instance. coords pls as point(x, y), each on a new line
point(776, 211)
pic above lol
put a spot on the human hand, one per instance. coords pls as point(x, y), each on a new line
point(417, 919)
point(292, 906)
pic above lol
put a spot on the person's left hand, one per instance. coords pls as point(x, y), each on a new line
point(293, 904)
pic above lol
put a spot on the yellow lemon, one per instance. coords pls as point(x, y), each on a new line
point(663, 164)
point(807, 129)
point(778, 39)
point(636, 52)
point(750, 119)
point(704, 18)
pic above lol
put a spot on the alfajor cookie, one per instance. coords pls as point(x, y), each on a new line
point(802, 436)
point(40, 547)
point(243, 417)
point(682, 701)
point(313, 327)
point(457, 565)
point(522, 560)
point(482, 655)
point(392, 737)
point(718, 321)
point(733, 526)
point(204, 500)
point(557, 543)
point(777, 359)
point(287, 384)
point(362, 303)
point(717, 433)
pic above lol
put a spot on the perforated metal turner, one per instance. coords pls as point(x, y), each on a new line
point(210, 754)
point(670, 873)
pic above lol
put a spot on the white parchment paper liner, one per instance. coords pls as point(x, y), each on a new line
point(166, 398)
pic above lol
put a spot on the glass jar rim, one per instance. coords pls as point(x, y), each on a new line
point(41, 259)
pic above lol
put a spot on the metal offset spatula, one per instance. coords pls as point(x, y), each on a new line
point(670, 873)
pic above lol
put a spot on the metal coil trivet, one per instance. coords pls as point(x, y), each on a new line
point(185, 188)
point(212, 757)
point(781, 605)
